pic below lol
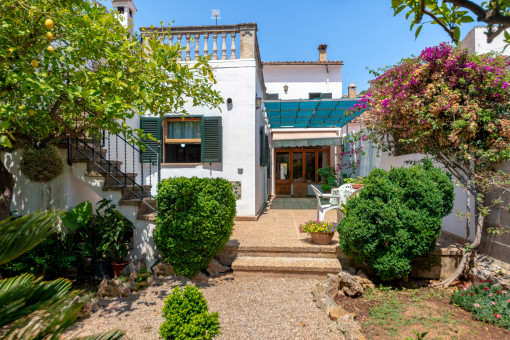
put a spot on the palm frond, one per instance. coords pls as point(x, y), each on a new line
point(113, 335)
point(17, 236)
point(24, 294)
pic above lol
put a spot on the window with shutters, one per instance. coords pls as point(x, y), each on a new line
point(318, 95)
point(272, 96)
point(183, 140)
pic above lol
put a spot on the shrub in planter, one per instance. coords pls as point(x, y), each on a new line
point(186, 316)
point(396, 218)
point(488, 303)
point(194, 222)
point(41, 164)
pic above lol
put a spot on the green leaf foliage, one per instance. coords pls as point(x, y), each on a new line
point(20, 235)
point(86, 74)
point(186, 316)
point(51, 257)
point(396, 218)
point(42, 164)
point(194, 222)
point(78, 217)
point(487, 303)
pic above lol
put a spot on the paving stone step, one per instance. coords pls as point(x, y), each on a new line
point(286, 266)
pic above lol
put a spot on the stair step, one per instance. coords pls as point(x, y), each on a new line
point(131, 192)
point(97, 167)
point(109, 180)
point(286, 266)
point(143, 206)
point(147, 217)
point(325, 251)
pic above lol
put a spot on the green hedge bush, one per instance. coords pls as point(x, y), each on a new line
point(186, 316)
point(194, 222)
point(397, 217)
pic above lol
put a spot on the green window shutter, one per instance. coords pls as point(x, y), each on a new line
point(264, 147)
point(267, 151)
point(153, 126)
point(211, 139)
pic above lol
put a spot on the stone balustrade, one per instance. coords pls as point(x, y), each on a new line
point(222, 42)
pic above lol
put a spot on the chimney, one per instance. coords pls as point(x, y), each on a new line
point(322, 52)
point(126, 11)
point(351, 91)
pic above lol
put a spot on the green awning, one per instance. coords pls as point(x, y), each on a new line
point(310, 113)
point(285, 143)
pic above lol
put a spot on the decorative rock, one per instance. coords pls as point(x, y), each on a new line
point(349, 327)
point(105, 289)
point(91, 306)
point(365, 282)
point(128, 270)
point(200, 278)
point(331, 285)
point(215, 268)
point(132, 284)
point(349, 285)
point(325, 303)
point(318, 291)
point(164, 269)
point(336, 312)
point(122, 290)
point(361, 273)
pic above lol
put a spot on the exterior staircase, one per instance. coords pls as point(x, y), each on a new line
point(284, 261)
point(113, 176)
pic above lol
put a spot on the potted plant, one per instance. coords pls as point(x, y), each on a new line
point(328, 175)
point(320, 231)
point(357, 183)
point(107, 234)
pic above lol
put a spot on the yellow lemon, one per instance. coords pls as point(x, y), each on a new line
point(50, 49)
point(48, 23)
point(34, 63)
point(49, 36)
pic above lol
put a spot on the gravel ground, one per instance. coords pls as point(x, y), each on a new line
point(248, 307)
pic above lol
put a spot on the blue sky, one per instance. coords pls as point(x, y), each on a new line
point(361, 33)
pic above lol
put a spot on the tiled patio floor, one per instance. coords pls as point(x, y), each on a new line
point(278, 226)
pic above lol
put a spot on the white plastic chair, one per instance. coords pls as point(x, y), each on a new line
point(321, 209)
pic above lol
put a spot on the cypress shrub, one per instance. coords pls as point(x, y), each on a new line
point(396, 217)
point(194, 222)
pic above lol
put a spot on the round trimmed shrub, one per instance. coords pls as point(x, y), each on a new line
point(194, 222)
point(396, 218)
point(186, 316)
point(41, 164)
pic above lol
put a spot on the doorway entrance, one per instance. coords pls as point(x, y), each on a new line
point(296, 168)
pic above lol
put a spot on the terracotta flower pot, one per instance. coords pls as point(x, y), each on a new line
point(322, 238)
point(118, 267)
point(357, 186)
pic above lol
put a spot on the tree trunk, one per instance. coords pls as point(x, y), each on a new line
point(6, 190)
point(472, 246)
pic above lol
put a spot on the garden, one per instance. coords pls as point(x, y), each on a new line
point(67, 274)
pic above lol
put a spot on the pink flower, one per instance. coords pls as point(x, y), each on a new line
point(508, 300)
point(476, 305)
point(497, 316)
point(493, 303)
point(505, 85)
point(504, 292)
point(491, 294)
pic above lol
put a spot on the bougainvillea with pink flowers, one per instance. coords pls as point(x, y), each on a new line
point(452, 106)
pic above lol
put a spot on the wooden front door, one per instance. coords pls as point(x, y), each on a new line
point(282, 171)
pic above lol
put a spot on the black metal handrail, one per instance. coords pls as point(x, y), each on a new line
point(107, 165)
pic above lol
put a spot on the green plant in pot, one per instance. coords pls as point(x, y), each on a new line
point(328, 175)
point(357, 183)
point(106, 234)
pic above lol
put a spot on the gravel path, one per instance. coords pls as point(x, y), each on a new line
point(249, 308)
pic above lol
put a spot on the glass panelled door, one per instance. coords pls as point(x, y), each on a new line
point(298, 165)
point(282, 171)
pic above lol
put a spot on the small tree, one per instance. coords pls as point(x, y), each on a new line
point(454, 107)
point(68, 68)
point(451, 14)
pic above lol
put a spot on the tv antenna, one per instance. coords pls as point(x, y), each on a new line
point(215, 14)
